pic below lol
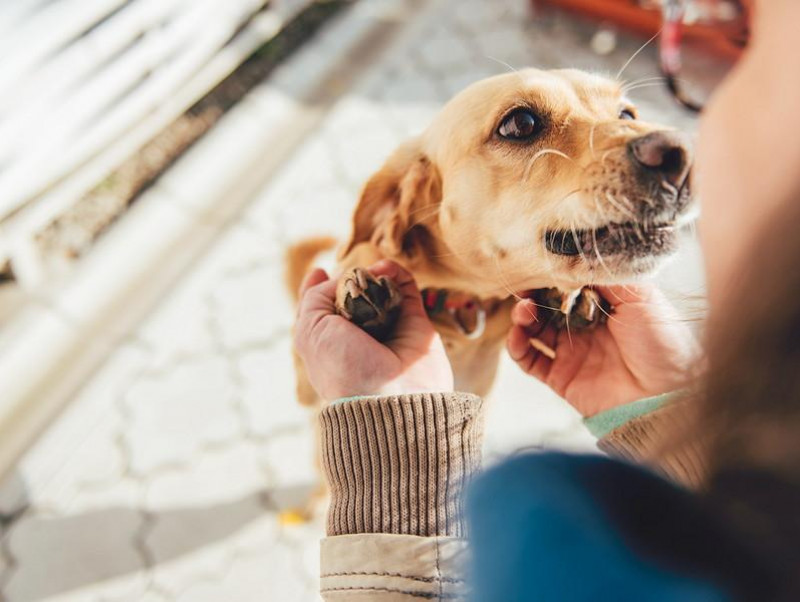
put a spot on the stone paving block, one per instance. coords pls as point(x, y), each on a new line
point(94, 472)
point(267, 576)
point(179, 329)
point(84, 436)
point(60, 557)
point(5, 568)
point(359, 138)
point(322, 212)
point(258, 535)
point(151, 596)
point(252, 307)
point(13, 494)
point(413, 92)
point(181, 326)
point(201, 514)
point(268, 391)
point(291, 460)
point(176, 413)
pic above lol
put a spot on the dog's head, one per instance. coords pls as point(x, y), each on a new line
point(532, 179)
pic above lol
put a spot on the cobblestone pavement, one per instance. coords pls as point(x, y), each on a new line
point(164, 478)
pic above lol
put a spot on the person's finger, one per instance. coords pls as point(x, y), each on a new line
point(524, 313)
point(518, 343)
point(628, 293)
point(412, 298)
point(313, 278)
point(317, 302)
point(530, 360)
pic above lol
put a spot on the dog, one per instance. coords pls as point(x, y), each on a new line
point(527, 180)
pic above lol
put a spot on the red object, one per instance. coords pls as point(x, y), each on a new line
point(722, 39)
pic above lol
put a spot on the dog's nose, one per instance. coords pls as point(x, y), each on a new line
point(667, 154)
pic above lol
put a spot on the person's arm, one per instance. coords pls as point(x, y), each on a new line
point(397, 467)
point(653, 432)
point(643, 350)
point(398, 448)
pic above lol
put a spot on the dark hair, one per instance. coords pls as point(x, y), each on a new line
point(751, 408)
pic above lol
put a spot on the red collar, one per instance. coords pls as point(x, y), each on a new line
point(467, 311)
point(438, 299)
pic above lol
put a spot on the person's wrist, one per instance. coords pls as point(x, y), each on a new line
point(606, 401)
point(410, 388)
point(395, 387)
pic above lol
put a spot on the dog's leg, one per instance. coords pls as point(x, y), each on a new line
point(372, 303)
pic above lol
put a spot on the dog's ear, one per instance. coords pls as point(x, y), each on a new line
point(397, 202)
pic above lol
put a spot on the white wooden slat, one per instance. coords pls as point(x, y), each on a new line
point(88, 53)
point(115, 132)
point(35, 217)
point(47, 123)
point(45, 160)
point(54, 25)
point(13, 12)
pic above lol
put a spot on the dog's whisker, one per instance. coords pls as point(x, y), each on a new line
point(608, 314)
point(604, 216)
point(660, 80)
point(614, 203)
point(640, 86)
point(503, 281)
point(577, 242)
point(635, 54)
point(538, 155)
point(599, 255)
point(643, 80)
point(496, 60)
point(591, 140)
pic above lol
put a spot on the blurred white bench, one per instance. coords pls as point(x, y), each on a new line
point(84, 84)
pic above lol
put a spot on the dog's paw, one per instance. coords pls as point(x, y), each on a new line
point(583, 309)
point(371, 303)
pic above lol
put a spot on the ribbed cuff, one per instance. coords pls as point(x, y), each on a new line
point(399, 464)
point(661, 440)
point(603, 423)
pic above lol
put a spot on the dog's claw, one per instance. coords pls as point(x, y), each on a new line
point(372, 303)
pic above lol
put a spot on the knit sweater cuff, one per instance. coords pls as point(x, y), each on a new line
point(660, 439)
point(399, 464)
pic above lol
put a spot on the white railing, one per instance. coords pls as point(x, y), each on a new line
point(84, 84)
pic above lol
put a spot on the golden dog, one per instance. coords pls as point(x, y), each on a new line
point(523, 181)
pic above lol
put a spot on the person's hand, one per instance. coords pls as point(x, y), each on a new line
point(342, 360)
point(643, 350)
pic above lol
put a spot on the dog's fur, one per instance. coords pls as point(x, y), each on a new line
point(465, 209)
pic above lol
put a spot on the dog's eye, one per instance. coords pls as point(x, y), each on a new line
point(520, 124)
point(627, 114)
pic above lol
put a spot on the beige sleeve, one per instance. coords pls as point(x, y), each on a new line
point(661, 441)
point(397, 467)
point(392, 568)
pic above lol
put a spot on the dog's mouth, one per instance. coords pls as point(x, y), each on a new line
point(631, 239)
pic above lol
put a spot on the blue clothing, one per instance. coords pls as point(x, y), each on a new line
point(555, 527)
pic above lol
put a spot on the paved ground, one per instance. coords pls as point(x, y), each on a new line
point(164, 479)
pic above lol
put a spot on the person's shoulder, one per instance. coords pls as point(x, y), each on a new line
point(570, 527)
